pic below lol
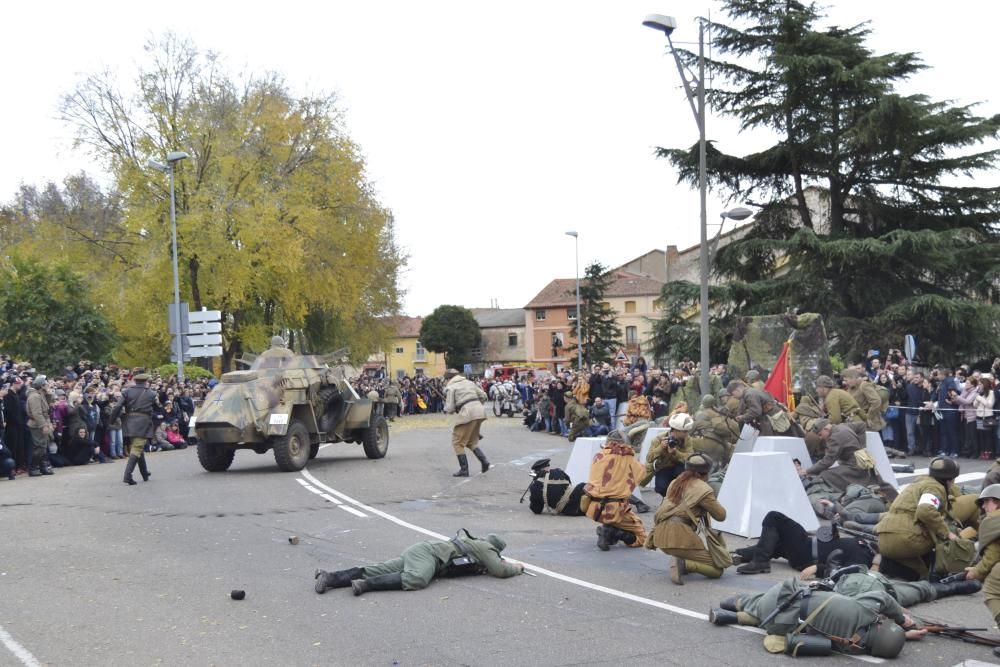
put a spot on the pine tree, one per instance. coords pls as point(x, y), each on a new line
point(901, 242)
point(598, 323)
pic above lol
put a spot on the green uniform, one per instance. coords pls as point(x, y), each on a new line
point(662, 456)
point(905, 593)
point(870, 402)
point(907, 531)
point(714, 434)
point(841, 616)
point(578, 418)
point(423, 561)
point(986, 569)
point(842, 408)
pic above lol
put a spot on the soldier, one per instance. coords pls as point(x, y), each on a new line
point(553, 490)
point(419, 564)
point(40, 427)
point(276, 352)
point(866, 396)
point(783, 537)
point(916, 519)
point(810, 623)
point(137, 403)
point(613, 478)
point(752, 379)
point(668, 453)
point(843, 442)
point(840, 406)
point(577, 417)
point(392, 399)
point(688, 502)
point(465, 400)
point(713, 432)
point(907, 594)
point(992, 475)
point(760, 409)
point(989, 552)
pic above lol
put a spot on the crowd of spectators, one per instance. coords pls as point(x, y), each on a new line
point(81, 400)
point(416, 395)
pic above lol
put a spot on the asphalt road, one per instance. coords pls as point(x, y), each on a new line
point(93, 572)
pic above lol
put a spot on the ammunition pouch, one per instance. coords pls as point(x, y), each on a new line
point(800, 645)
point(464, 563)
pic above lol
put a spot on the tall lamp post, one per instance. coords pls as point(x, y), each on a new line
point(173, 157)
point(579, 340)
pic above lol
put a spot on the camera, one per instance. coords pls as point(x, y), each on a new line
point(672, 442)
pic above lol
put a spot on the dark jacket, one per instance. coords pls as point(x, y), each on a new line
point(137, 405)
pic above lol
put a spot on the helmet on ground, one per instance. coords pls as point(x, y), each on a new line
point(943, 469)
point(700, 463)
point(886, 639)
point(681, 422)
point(991, 491)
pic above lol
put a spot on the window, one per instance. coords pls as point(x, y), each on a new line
point(511, 340)
point(539, 315)
point(399, 350)
point(631, 335)
point(421, 352)
point(557, 339)
point(630, 306)
point(571, 314)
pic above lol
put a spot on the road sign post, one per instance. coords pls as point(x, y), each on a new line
point(204, 333)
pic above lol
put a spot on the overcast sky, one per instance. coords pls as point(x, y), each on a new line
point(489, 129)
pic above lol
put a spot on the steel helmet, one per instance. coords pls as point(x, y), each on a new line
point(681, 422)
point(991, 491)
point(277, 341)
point(886, 639)
point(943, 469)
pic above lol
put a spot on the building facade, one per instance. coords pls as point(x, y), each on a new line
point(404, 355)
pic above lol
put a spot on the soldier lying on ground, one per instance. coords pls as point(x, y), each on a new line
point(803, 622)
point(907, 594)
point(421, 563)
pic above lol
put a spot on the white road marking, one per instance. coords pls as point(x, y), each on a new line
point(302, 482)
point(549, 573)
point(21, 653)
point(353, 511)
point(330, 498)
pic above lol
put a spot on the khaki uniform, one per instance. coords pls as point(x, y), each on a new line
point(757, 407)
point(870, 402)
point(465, 400)
point(842, 408)
point(578, 419)
point(661, 455)
point(907, 531)
point(714, 434)
point(964, 512)
point(614, 475)
point(40, 427)
point(675, 525)
point(986, 570)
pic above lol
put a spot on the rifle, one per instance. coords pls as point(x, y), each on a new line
point(872, 540)
point(952, 578)
point(965, 634)
point(802, 592)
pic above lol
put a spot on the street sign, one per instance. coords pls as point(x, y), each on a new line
point(204, 339)
point(621, 357)
point(204, 333)
point(204, 315)
point(204, 327)
point(209, 351)
point(172, 319)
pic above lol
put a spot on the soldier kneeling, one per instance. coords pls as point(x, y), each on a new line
point(551, 489)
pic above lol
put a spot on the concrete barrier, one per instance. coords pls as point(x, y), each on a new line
point(795, 447)
point(748, 435)
point(757, 483)
point(647, 442)
point(875, 447)
point(580, 458)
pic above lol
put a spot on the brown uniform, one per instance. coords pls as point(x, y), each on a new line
point(870, 402)
point(907, 531)
point(614, 475)
point(675, 525)
point(842, 408)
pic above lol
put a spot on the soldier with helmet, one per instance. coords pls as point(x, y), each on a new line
point(916, 520)
point(668, 452)
point(803, 622)
point(839, 406)
point(713, 433)
point(276, 352)
point(137, 404)
point(986, 569)
point(688, 502)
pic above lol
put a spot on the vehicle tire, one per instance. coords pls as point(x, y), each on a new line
point(291, 451)
point(313, 451)
point(215, 458)
point(376, 442)
point(497, 407)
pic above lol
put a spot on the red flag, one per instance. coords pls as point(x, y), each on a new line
point(779, 383)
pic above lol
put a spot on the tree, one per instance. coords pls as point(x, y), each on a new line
point(275, 217)
point(896, 241)
point(600, 334)
point(49, 317)
point(452, 330)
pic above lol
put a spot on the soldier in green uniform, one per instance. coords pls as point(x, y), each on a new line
point(420, 563)
point(989, 552)
point(393, 397)
point(668, 453)
point(840, 406)
point(907, 532)
point(866, 396)
point(713, 433)
point(137, 424)
point(906, 593)
point(820, 622)
point(752, 378)
point(577, 417)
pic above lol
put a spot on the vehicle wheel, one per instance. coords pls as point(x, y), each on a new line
point(215, 458)
point(291, 451)
point(497, 407)
point(376, 442)
point(313, 451)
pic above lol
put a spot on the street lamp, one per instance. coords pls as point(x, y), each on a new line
point(579, 340)
point(696, 98)
point(738, 213)
point(173, 157)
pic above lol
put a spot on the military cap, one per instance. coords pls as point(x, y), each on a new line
point(616, 436)
point(943, 468)
point(825, 381)
point(850, 374)
point(700, 463)
point(277, 341)
point(540, 465)
point(752, 376)
point(819, 425)
point(141, 377)
point(569, 394)
point(681, 422)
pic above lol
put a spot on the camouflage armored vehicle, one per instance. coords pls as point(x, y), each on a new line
point(290, 404)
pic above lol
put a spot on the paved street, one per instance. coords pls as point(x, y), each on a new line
point(98, 573)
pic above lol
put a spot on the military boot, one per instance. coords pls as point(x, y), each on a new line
point(677, 570)
point(129, 467)
point(638, 504)
point(143, 470)
point(731, 604)
point(627, 538)
point(383, 582)
point(965, 587)
point(46, 469)
point(755, 567)
point(341, 579)
point(722, 617)
point(463, 470)
point(742, 555)
point(482, 458)
point(605, 537)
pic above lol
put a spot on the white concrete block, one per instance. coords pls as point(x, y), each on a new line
point(757, 483)
point(796, 447)
point(875, 447)
point(580, 458)
point(747, 437)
